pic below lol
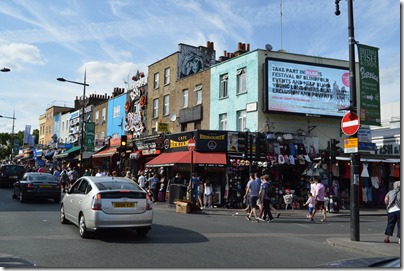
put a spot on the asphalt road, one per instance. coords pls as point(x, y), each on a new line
point(32, 234)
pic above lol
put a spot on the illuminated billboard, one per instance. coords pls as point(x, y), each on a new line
point(306, 88)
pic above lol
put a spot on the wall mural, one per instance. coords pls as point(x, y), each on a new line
point(194, 59)
point(136, 105)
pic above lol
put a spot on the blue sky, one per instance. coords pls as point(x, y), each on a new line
point(43, 40)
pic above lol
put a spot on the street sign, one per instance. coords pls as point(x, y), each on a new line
point(351, 145)
point(191, 144)
point(350, 123)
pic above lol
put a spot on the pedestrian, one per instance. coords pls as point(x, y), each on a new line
point(200, 194)
point(311, 203)
point(141, 180)
point(64, 179)
point(393, 203)
point(288, 199)
point(253, 188)
point(319, 197)
point(114, 173)
point(344, 197)
point(153, 181)
point(193, 188)
point(56, 174)
point(73, 176)
point(86, 173)
point(265, 199)
point(99, 173)
point(208, 191)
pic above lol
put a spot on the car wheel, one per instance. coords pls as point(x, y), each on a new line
point(142, 231)
point(63, 219)
point(82, 227)
point(13, 194)
point(21, 197)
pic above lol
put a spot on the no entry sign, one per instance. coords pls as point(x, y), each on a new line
point(191, 144)
point(350, 123)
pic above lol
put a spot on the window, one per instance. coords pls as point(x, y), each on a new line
point(198, 94)
point(241, 81)
point(97, 115)
point(185, 98)
point(166, 107)
point(63, 126)
point(117, 111)
point(223, 121)
point(156, 80)
point(104, 114)
point(223, 86)
point(167, 76)
point(155, 108)
point(241, 120)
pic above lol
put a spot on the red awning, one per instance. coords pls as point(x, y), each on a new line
point(184, 157)
point(106, 152)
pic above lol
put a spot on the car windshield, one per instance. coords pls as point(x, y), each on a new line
point(116, 185)
point(40, 178)
point(12, 169)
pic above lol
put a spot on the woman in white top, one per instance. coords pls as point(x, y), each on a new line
point(208, 191)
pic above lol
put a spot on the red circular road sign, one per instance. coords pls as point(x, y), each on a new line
point(350, 123)
point(191, 144)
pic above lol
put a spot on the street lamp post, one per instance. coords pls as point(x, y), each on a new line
point(84, 84)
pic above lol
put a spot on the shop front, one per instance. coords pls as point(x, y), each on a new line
point(207, 160)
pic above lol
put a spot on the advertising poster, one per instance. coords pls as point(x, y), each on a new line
point(305, 88)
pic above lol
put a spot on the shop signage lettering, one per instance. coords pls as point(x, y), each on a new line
point(176, 144)
point(211, 137)
point(388, 149)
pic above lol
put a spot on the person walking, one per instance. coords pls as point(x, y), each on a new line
point(193, 187)
point(253, 188)
point(393, 203)
point(200, 194)
point(141, 180)
point(56, 174)
point(153, 181)
point(311, 203)
point(319, 192)
point(208, 191)
point(265, 199)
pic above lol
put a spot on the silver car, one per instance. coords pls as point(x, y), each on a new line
point(94, 203)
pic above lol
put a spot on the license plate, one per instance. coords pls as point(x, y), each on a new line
point(45, 186)
point(124, 204)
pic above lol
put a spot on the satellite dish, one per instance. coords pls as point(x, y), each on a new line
point(172, 117)
point(268, 47)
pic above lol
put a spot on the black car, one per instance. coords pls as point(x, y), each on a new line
point(37, 185)
point(9, 174)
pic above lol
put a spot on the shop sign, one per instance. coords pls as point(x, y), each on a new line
point(364, 135)
point(162, 127)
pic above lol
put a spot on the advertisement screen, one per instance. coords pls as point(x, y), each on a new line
point(305, 88)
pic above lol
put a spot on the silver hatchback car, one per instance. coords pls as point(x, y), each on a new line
point(94, 203)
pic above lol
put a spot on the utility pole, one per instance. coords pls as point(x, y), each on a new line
point(355, 157)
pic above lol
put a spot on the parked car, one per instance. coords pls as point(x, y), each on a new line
point(94, 203)
point(9, 174)
point(37, 185)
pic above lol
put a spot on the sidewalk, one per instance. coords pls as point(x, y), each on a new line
point(370, 243)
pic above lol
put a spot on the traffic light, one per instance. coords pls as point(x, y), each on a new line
point(261, 146)
point(333, 149)
point(124, 141)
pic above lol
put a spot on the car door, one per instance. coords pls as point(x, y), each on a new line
point(70, 202)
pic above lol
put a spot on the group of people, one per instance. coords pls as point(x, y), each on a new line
point(258, 197)
point(199, 190)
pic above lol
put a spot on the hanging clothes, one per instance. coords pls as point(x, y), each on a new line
point(369, 192)
point(364, 195)
point(375, 182)
point(396, 171)
point(365, 172)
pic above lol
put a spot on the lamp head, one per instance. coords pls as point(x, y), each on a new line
point(61, 79)
point(5, 69)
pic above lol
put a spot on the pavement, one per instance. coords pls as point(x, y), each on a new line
point(371, 244)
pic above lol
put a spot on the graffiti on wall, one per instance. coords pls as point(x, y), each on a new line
point(192, 60)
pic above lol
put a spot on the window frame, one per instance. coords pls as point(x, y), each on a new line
point(156, 78)
point(155, 108)
point(198, 94)
point(167, 74)
point(166, 105)
point(224, 86)
point(241, 80)
point(185, 98)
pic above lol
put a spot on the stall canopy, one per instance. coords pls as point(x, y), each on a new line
point(68, 153)
point(106, 152)
point(184, 157)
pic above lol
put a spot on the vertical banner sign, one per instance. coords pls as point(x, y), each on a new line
point(369, 85)
point(89, 136)
point(27, 133)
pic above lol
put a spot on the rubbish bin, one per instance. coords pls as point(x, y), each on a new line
point(177, 191)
